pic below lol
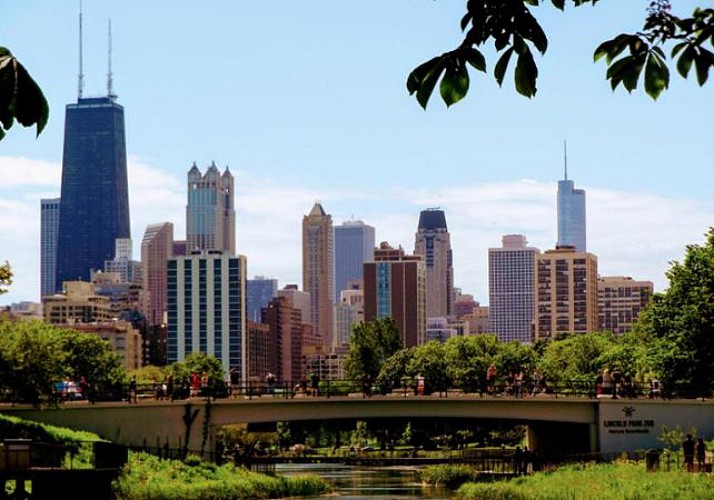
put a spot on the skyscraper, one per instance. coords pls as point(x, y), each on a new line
point(210, 212)
point(206, 308)
point(395, 287)
point(571, 214)
point(620, 301)
point(566, 293)
point(49, 230)
point(318, 271)
point(94, 194)
point(261, 291)
point(156, 250)
point(433, 243)
point(354, 245)
point(511, 289)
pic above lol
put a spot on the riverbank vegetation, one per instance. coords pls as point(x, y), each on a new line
point(616, 481)
point(150, 478)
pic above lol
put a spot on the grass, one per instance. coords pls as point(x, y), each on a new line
point(450, 476)
point(617, 481)
point(149, 478)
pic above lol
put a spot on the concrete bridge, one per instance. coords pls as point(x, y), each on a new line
point(555, 425)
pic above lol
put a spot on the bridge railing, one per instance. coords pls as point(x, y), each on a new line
point(503, 388)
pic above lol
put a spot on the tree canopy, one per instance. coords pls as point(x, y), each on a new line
point(34, 356)
point(5, 277)
point(370, 345)
point(678, 326)
point(515, 33)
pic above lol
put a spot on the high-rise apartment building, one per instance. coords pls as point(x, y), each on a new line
point(261, 291)
point(206, 308)
point(571, 215)
point(433, 243)
point(287, 329)
point(620, 301)
point(129, 270)
point(49, 230)
point(94, 193)
point(511, 289)
point(395, 287)
point(210, 212)
point(156, 250)
point(566, 293)
point(348, 312)
point(79, 303)
point(354, 245)
point(318, 271)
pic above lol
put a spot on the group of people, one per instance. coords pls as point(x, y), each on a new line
point(516, 382)
point(309, 384)
point(692, 449)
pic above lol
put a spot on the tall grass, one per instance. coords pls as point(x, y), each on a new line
point(450, 476)
point(149, 478)
point(617, 481)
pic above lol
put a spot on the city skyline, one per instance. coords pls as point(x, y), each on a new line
point(491, 162)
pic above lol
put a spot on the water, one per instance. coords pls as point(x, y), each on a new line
point(375, 483)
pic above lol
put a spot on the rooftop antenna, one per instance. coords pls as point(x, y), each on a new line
point(565, 157)
point(80, 77)
point(110, 80)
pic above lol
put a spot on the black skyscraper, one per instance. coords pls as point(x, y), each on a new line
point(95, 197)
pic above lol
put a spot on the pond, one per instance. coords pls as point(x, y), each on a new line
point(375, 483)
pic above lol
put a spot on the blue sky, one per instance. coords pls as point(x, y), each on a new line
point(306, 101)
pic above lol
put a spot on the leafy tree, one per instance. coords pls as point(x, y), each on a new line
point(468, 358)
point(515, 33)
point(197, 362)
point(91, 357)
point(5, 277)
point(395, 372)
point(678, 325)
point(430, 361)
point(21, 98)
point(31, 360)
point(575, 357)
point(370, 345)
point(514, 357)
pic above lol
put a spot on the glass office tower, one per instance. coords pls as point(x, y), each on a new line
point(95, 195)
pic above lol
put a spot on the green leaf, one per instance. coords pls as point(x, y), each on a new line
point(602, 50)
point(30, 104)
point(701, 64)
point(455, 83)
point(475, 58)
point(558, 4)
point(500, 70)
point(684, 64)
point(656, 76)
point(466, 20)
point(677, 48)
point(423, 79)
point(526, 74)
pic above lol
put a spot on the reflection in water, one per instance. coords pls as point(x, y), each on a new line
point(377, 483)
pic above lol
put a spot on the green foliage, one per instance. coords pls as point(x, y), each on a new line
point(35, 355)
point(429, 360)
point(91, 357)
point(468, 358)
point(149, 478)
point(678, 326)
point(5, 277)
point(14, 428)
point(370, 345)
point(197, 362)
point(576, 357)
point(148, 374)
point(617, 481)
point(515, 34)
point(21, 98)
point(32, 359)
point(450, 476)
point(395, 372)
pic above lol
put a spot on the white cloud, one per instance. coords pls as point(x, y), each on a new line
point(632, 233)
point(22, 172)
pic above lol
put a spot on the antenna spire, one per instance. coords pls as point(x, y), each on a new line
point(565, 157)
point(110, 80)
point(80, 77)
